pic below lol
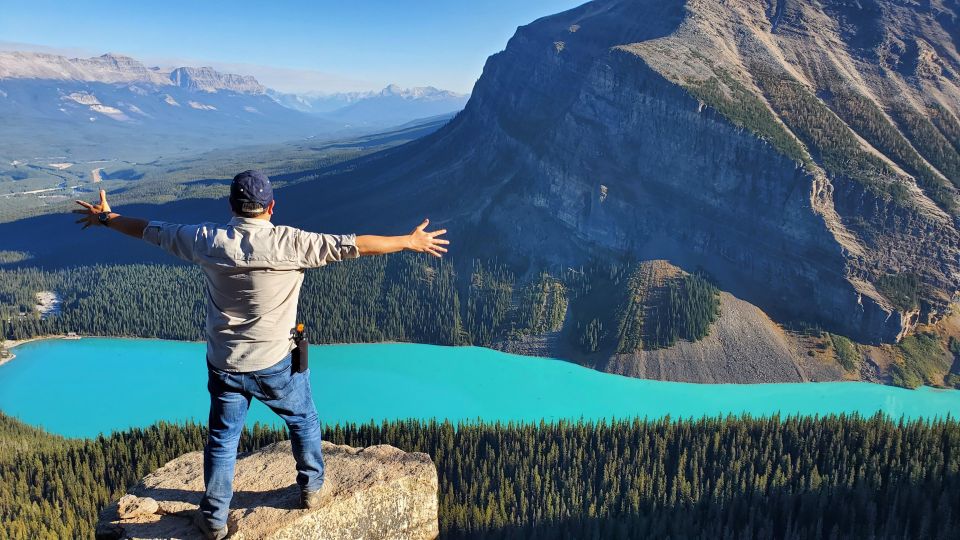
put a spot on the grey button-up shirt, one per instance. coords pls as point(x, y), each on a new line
point(253, 271)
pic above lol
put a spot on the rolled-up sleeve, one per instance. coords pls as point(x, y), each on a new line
point(317, 249)
point(178, 240)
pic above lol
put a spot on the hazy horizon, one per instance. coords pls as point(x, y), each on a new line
point(299, 47)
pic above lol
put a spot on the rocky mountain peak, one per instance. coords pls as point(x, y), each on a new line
point(765, 143)
point(108, 68)
point(426, 93)
point(207, 79)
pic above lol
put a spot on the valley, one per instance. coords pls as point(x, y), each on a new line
point(32, 186)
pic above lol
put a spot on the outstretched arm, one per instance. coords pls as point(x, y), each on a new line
point(419, 240)
point(91, 216)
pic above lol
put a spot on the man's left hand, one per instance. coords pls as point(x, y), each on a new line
point(427, 242)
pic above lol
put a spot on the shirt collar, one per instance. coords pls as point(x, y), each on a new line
point(238, 221)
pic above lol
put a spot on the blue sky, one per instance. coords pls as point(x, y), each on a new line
point(292, 46)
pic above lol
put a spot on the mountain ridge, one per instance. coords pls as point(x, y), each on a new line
point(117, 68)
point(113, 68)
point(574, 145)
point(392, 105)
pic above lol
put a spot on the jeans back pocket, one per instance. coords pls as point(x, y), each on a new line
point(274, 385)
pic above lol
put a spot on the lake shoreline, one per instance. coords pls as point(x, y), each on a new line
point(16, 343)
point(166, 381)
point(12, 344)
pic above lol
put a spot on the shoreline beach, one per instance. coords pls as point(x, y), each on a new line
point(13, 343)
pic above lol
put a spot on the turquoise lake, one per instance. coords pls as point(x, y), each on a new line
point(80, 388)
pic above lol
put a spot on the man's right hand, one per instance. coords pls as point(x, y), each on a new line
point(91, 212)
point(422, 241)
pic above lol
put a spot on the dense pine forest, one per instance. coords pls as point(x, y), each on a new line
point(833, 477)
point(402, 298)
point(599, 309)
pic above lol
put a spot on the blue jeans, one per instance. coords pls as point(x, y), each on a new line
point(288, 394)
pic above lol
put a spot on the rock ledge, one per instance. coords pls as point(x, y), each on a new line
point(380, 492)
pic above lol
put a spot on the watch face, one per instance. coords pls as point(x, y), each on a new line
point(104, 217)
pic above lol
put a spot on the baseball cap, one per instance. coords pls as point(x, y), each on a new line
point(250, 187)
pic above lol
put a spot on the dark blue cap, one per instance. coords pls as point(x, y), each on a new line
point(250, 187)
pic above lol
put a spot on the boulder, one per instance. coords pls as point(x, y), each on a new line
point(379, 492)
point(131, 506)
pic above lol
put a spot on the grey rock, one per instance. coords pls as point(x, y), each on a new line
point(131, 506)
point(379, 492)
point(207, 79)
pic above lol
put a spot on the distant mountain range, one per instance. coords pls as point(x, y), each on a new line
point(391, 106)
point(114, 106)
point(118, 69)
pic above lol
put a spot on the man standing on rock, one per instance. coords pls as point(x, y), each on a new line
point(253, 272)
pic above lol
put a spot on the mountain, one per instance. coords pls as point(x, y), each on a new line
point(806, 155)
point(206, 79)
point(389, 107)
point(108, 68)
point(318, 102)
point(112, 68)
point(114, 107)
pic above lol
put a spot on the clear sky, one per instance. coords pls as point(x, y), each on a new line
point(293, 46)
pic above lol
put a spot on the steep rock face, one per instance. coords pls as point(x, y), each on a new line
point(115, 69)
point(717, 136)
point(378, 492)
point(207, 79)
point(107, 68)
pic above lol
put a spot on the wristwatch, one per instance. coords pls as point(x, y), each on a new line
point(104, 218)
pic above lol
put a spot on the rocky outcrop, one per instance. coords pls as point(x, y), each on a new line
point(379, 492)
point(207, 79)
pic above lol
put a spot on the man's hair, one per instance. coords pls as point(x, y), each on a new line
point(250, 210)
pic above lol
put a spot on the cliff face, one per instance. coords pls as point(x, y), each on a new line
point(785, 148)
point(207, 79)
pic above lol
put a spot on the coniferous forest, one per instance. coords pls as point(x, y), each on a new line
point(833, 477)
point(606, 308)
point(403, 298)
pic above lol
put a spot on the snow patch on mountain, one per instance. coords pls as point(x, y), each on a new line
point(109, 111)
point(200, 106)
point(134, 109)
